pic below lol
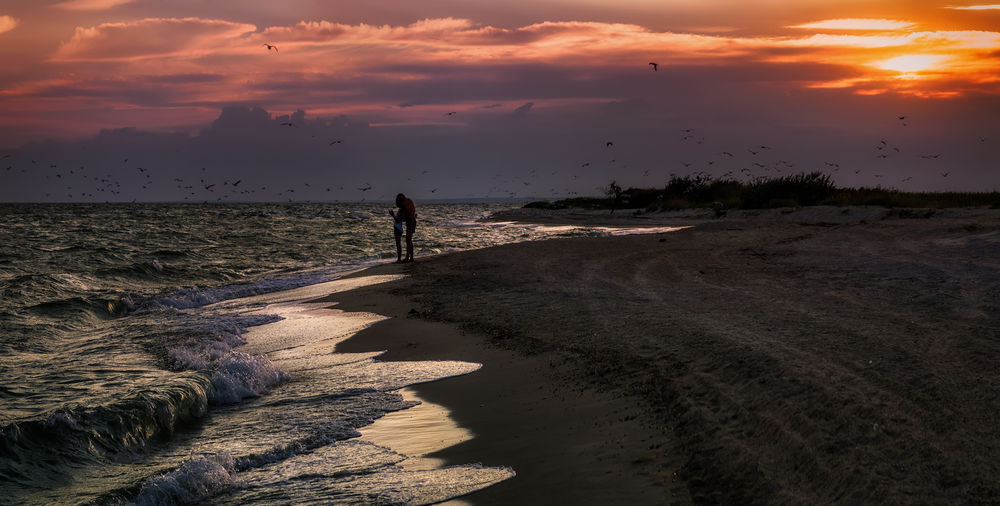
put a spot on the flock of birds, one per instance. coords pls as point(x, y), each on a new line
point(755, 165)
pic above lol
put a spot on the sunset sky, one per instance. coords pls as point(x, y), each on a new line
point(537, 89)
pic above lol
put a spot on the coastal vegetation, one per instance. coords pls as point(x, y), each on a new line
point(803, 189)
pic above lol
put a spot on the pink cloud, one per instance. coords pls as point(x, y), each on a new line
point(148, 38)
point(199, 64)
point(90, 5)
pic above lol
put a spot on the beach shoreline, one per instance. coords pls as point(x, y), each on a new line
point(813, 355)
point(521, 415)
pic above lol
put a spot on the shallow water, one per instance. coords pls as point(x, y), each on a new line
point(152, 353)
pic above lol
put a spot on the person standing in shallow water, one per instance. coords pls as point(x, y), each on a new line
point(408, 213)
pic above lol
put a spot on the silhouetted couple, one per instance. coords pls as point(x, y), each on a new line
point(407, 215)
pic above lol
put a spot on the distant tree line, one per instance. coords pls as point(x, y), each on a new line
point(804, 189)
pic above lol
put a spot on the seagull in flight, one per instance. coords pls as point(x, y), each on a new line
point(655, 65)
point(452, 113)
point(270, 47)
point(338, 141)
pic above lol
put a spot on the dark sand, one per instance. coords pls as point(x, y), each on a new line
point(809, 357)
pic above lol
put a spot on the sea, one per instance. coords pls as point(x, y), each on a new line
point(134, 368)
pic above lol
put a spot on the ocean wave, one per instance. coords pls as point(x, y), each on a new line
point(202, 476)
point(196, 479)
point(241, 375)
point(145, 270)
point(78, 435)
point(94, 306)
point(170, 253)
point(235, 375)
point(196, 297)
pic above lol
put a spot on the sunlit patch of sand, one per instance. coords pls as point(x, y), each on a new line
point(417, 432)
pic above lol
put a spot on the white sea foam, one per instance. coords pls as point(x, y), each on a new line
point(241, 375)
point(184, 357)
point(196, 297)
point(196, 479)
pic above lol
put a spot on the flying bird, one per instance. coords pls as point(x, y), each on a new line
point(608, 144)
point(655, 66)
point(270, 47)
point(452, 113)
point(338, 141)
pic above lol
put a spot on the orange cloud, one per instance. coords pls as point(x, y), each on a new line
point(7, 24)
point(148, 38)
point(90, 5)
point(856, 24)
point(321, 63)
point(993, 7)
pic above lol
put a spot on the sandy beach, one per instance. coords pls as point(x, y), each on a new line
point(810, 356)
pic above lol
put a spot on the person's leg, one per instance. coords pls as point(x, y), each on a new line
point(399, 249)
point(411, 226)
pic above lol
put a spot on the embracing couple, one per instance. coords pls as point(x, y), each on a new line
point(407, 214)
